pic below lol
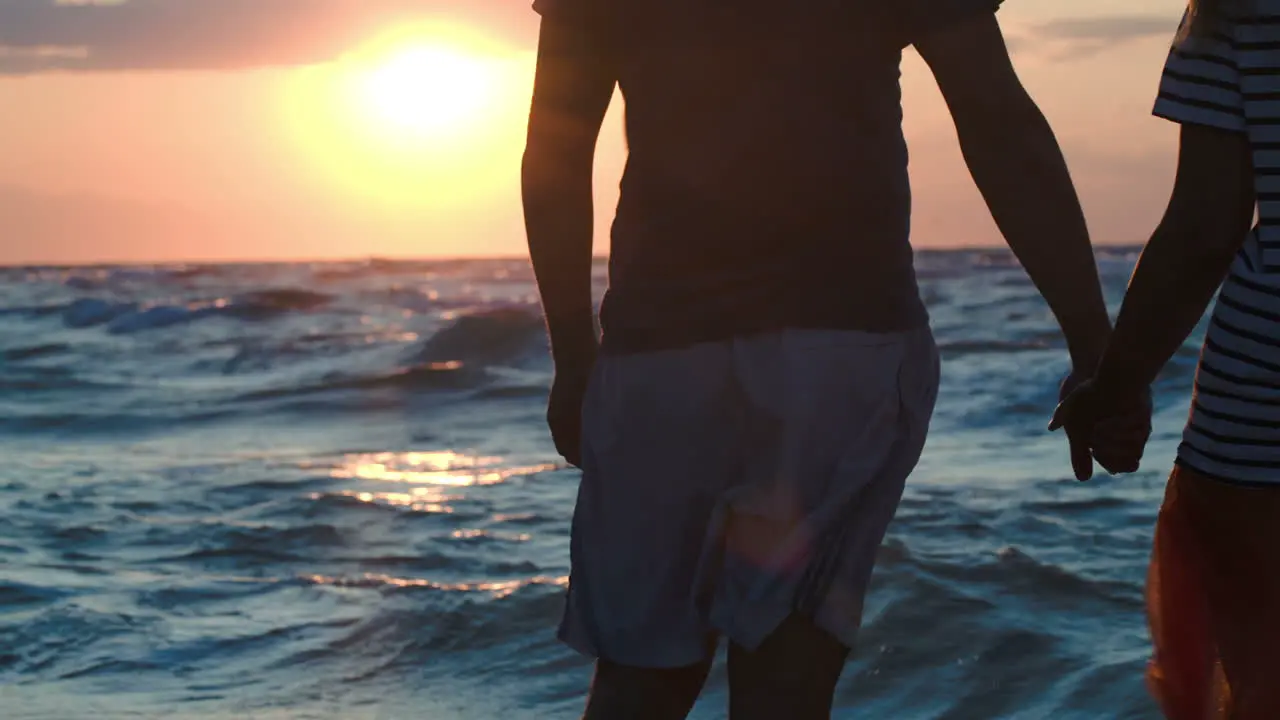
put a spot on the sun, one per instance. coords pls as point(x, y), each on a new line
point(427, 90)
point(425, 118)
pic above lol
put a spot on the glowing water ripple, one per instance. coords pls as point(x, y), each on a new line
point(444, 468)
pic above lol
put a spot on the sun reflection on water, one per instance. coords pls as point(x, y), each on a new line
point(444, 468)
point(497, 590)
point(488, 535)
point(424, 500)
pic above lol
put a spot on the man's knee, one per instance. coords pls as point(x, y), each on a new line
point(792, 674)
point(620, 692)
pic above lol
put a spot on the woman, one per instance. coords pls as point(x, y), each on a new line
point(1214, 581)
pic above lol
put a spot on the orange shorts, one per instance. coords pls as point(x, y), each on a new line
point(1213, 601)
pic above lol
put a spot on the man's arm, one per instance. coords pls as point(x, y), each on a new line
point(1015, 160)
point(1189, 254)
point(573, 86)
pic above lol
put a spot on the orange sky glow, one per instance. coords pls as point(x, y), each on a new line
point(394, 129)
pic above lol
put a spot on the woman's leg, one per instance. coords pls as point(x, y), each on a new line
point(1181, 675)
point(1239, 531)
point(1214, 600)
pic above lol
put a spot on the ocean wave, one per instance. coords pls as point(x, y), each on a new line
point(994, 260)
point(55, 642)
point(455, 358)
point(961, 348)
point(257, 490)
point(414, 299)
point(263, 354)
point(208, 589)
point(1079, 506)
point(266, 304)
point(219, 542)
point(33, 311)
point(89, 312)
point(155, 318)
point(235, 557)
point(426, 562)
point(194, 272)
point(108, 422)
point(127, 317)
point(15, 594)
point(38, 378)
point(439, 376)
point(79, 537)
point(1019, 571)
point(33, 352)
point(379, 268)
point(489, 337)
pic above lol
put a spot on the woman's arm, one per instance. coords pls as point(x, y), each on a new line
point(1208, 218)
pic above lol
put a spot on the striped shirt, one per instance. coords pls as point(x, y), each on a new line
point(1230, 80)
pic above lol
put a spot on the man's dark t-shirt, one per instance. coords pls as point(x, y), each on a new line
point(766, 186)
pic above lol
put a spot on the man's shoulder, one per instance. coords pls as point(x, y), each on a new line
point(580, 11)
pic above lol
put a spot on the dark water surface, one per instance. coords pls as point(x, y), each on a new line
point(325, 491)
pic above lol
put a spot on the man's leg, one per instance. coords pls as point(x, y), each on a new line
point(659, 450)
point(792, 675)
point(625, 693)
point(840, 420)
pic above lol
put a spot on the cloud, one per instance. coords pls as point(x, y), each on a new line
point(95, 35)
point(1076, 37)
point(88, 35)
point(1109, 29)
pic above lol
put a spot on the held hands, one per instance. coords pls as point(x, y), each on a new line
point(1103, 425)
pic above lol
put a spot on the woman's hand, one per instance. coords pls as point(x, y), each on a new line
point(1103, 424)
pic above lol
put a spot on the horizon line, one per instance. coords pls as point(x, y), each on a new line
point(596, 258)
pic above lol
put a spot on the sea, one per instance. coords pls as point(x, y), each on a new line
point(326, 490)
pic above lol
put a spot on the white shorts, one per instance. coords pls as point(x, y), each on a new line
point(729, 485)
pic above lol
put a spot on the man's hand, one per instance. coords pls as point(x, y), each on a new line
point(1104, 425)
point(1081, 453)
point(564, 409)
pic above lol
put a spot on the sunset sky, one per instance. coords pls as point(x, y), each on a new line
point(141, 130)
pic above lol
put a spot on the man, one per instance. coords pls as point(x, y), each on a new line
point(766, 374)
